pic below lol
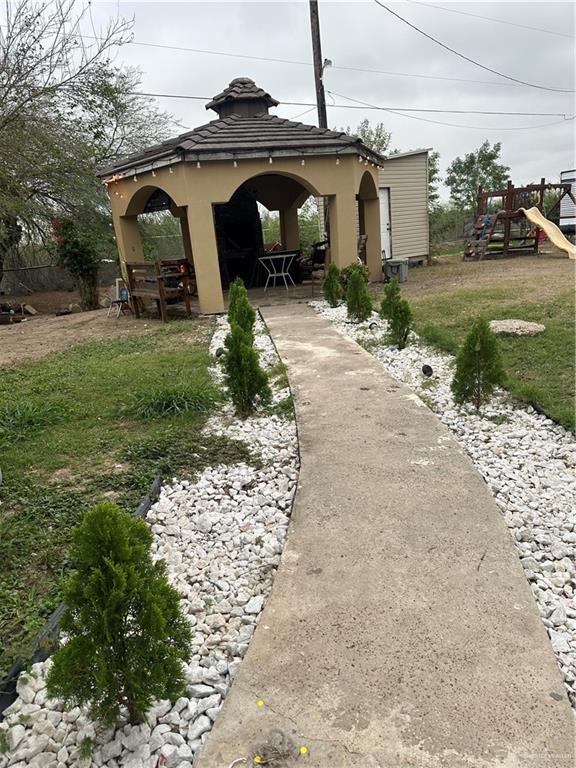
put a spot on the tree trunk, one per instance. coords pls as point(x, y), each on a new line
point(10, 234)
point(89, 293)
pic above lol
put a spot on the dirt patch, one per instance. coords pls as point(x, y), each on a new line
point(44, 335)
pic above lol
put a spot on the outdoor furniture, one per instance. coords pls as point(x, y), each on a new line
point(277, 264)
point(163, 282)
point(173, 270)
point(121, 304)
point(312, 268)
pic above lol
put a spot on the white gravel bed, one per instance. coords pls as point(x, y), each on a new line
point(221, 537)
point(528, 462)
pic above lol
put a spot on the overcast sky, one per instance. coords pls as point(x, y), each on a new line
point(362, 35)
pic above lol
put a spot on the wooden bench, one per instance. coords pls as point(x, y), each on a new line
point(162, 281)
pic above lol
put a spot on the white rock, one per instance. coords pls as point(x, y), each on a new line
point(15, 736)
point(254, 605)
point(111, 750)
point(198, 727)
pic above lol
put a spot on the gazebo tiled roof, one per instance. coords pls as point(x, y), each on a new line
point(237, 136)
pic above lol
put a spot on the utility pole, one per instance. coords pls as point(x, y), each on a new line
point(318, 64)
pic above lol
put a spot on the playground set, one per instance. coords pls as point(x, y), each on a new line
point(513, 221)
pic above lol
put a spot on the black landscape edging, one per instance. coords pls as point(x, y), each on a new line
point(45, 641)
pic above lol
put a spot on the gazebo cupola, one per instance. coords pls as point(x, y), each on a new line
point(242, 97)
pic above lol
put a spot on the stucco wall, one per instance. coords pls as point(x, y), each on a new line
point(407, 178)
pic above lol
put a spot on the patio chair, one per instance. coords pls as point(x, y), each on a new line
point(312, 268)
point(162, 282)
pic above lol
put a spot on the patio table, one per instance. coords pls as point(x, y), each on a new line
point(278, 264)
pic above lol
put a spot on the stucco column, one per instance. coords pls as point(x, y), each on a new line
point(342, 216)
point(289, 233)
point(128, 239)
point(371, 209)
point(185, 230)
point(205, 257)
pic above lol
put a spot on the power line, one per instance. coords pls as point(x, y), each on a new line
point(366, 105)
point(309, 64)
point(467, 58)
point(347, 106)
point(490, 18)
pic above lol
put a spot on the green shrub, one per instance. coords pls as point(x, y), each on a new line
point(246, 381)
point(240, 310)
point(331, 287)
point(77, 252)
point(358, 301)
point(400, 323)
point(127, 638)
point(347, 272)
point(172, 400)
point(478, 366)
point(390, 299)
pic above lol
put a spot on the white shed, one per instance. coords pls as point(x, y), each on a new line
point(404, 205)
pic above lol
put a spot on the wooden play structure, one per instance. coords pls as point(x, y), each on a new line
point(501, 227)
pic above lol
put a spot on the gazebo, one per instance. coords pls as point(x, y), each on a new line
point(247, 156)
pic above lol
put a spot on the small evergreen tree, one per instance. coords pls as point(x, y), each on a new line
point(390, 299)
point(400, 323)
point(240, 310)
point(127, 638)
point(331, 287)
point(346, 272)
point(358, 301)
point(246, 381)
point(479, 366)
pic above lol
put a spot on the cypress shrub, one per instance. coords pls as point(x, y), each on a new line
point(247, 382)
point(240, 310)
point(358, 301)
point(331, 287)
point(400, 323)
point(346, 272)
point(390, 299)
point(479, 366)
point(127, 638)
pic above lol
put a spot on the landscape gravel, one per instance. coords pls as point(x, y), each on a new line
point(528, 462)
point(221, 536)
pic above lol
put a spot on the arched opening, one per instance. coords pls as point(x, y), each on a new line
point(268, 213)
point(162, 225)
point(368, 224)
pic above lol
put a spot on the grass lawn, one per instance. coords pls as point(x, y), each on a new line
point(93, 423)
point(541, 369)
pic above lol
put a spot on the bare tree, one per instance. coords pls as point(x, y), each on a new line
point(64, 109)
point(43, 52)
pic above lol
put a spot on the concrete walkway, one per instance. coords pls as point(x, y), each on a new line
point(401, 630)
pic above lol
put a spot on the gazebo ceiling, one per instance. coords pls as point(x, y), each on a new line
point(245, 130)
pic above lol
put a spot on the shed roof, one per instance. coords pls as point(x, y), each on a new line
point(399, 155)
point(236, 137)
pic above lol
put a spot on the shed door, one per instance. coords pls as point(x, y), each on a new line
point(385, 222)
